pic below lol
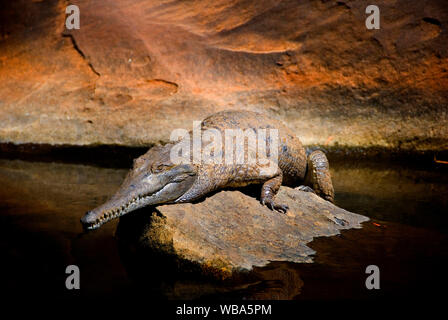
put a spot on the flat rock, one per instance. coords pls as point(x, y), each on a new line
point(231, 231)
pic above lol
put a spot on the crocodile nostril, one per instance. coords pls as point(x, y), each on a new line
point(85, 219)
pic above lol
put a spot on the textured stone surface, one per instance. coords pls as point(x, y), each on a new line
point(232, 231)
point(138, 69)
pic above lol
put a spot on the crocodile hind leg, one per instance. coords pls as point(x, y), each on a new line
point(318, 178)
point(268, 192)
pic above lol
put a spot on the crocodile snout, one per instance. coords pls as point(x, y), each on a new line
point(89, 220)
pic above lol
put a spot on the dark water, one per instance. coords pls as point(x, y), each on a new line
point(41, 203)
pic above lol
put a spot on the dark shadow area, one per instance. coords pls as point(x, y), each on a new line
point(106, 156)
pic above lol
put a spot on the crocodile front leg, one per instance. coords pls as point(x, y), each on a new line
point(268, 192)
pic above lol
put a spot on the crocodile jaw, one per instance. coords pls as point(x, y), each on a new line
point(144, 189)
point(105, 213)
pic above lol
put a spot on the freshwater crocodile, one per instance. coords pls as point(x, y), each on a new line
point(156, 179)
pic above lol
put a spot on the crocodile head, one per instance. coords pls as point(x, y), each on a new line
point(153, 180)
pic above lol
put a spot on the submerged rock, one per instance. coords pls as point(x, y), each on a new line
point(231, 231)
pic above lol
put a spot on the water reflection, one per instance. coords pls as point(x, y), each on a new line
point(41, 204)
point(169, 277)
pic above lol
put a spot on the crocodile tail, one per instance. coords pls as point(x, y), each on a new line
point(318, 175)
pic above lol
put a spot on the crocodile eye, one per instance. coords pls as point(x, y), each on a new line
point(159, 168)
point(180, 178)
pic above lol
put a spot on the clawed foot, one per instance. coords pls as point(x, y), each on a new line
point(283, 208)
point(305, 189)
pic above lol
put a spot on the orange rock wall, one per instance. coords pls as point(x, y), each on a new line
point(136, 70)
